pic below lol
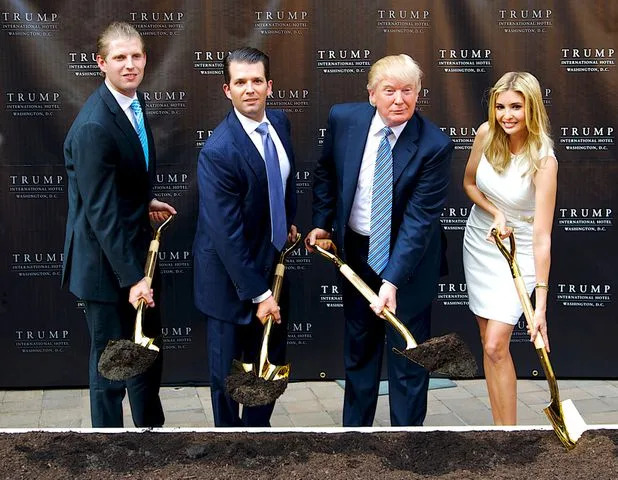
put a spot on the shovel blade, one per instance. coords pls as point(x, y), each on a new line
point(123, 359)
point(566, 422)
point(447, 354)
point(274, 372)
point(251, 390)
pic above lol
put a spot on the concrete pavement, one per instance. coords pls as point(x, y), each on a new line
point(319, 404)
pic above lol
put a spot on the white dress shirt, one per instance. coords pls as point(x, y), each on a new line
point(124, 102)
point(360, 216)
point(249, 127)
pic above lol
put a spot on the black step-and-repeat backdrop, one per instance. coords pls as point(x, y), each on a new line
point(320, 54)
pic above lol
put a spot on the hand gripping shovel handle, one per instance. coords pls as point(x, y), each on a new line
point(564, 417)
point(323, 247)
point(519, 283)
point(276, 289)
point(149, 269)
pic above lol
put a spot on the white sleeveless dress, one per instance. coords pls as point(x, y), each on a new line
point(491, 291)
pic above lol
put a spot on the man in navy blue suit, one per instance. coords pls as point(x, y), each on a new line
point(110, 160)
point(247, 201)
point(410, 157)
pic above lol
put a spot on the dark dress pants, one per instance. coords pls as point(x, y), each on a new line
point(364, 341)
point(111, 321)
point(227, 341)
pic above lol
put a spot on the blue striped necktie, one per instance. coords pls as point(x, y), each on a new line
point(141, 128)
point(276, 197)
point(381, 205)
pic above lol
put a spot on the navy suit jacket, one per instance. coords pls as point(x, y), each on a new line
point(232, 251)
point(421, 172)
point(109, 188)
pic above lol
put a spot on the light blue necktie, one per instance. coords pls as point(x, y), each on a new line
point(381, 206)
point(275, 189)
point(141, 128)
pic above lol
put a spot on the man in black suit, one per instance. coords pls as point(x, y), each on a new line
point(379, 189)
point(110, 160)
point(242, 226)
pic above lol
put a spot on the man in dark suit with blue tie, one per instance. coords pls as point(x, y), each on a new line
point(379, 189)
point(247, 201)
point(110, 161)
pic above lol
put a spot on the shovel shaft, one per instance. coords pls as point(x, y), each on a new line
point(278, 281)
point(276, 291)
point(264, 347)
point(151, 261)
point(153, 250)
point(528, 310)
point(149, 269)
point(370, 295)
point(520, 286)
point(138, 337)
point(554, 410)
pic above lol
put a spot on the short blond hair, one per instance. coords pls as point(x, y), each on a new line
point(114, 31)
point(399, 67)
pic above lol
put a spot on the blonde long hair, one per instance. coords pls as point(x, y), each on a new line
point(537, 122)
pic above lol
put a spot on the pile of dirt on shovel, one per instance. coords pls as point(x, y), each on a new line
point(531, 454)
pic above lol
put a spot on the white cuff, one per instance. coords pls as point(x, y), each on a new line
point(262, 297)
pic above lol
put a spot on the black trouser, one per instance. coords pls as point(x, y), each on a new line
point(364, 347)
point(111, 321)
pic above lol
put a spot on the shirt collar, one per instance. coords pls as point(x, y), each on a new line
point(123, 100)
point(377, 125)
point(248, 124)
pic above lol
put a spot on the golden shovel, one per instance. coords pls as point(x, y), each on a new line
point(564, 417)
point(124, 359)
point(246, 382)
point(447, 354)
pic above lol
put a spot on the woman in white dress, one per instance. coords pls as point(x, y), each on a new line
point(511, 177)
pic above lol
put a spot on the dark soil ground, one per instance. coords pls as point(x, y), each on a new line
point(520, 455)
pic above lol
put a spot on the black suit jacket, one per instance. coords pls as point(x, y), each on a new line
point(109, 189)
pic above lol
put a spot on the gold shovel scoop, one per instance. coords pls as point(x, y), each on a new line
point(447, 354)
point(261, 383)
point(564, 417)
point(123, 358)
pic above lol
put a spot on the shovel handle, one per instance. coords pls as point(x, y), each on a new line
point(520, 286)
point(322, 247)
point(149, 269)
point(508, 255)
point(276, 291)
point(153, 250)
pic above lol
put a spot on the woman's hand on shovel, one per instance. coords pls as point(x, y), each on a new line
point(540, 326)
point(268, 307)
point(387, 298)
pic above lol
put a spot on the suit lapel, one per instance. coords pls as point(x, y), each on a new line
point(123, 123)
point(247, 149)
point(406, 147)
point(356, 138)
